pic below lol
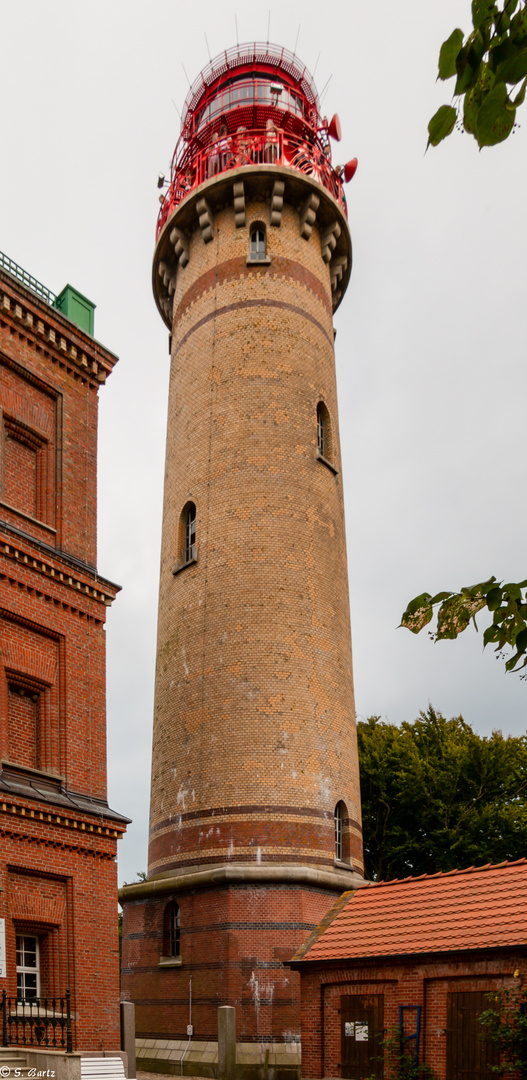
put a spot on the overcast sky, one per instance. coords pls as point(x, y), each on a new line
point(431, 335)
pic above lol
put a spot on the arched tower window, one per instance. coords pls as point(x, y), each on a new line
point(324, 433)
point(172, 930)
point(257, 242)
point(341, 832)
point(190, 533)
point(187, 546)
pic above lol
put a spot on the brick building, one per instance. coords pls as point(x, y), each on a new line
point(255, 805)
point(421, 955)
point(59, 837)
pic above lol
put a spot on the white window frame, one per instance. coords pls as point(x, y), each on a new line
point(27, 969)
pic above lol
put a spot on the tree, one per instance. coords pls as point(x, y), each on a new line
point(437, 796)
point(507, 603)
point(505, 1022)
point(490, 69)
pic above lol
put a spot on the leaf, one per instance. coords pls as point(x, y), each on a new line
point(511, 664)
point(500, 51)
point(455, 614)
point(494, 598)
point(482, 12)
point(520, 97)
point(441, 124)
point(521, 641)
point(518, 29)
point(448, 54)
point(502, 21)
point(514, 69)
point(467, 66)
point(513, 590)
point(491, 635)
point(475, 98)
point(439, 597)
point(418, 613)
point(494, 120)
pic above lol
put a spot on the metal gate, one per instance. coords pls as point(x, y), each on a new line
point(470, 1054)
point(361, 1034)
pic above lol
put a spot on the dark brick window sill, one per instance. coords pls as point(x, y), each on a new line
point(170, 961)
point(259, 262)
point(328, 464)
point(183, 566)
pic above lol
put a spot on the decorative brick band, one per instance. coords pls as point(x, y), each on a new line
point(252, 808)
point(233, 269)
point(254, 304)
point(275, 836)
point(241, 856)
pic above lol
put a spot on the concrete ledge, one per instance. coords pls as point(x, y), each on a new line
point(338, 881)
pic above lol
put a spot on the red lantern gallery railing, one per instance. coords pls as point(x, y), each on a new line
point(249, 148)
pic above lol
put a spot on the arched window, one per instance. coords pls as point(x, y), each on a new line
point(187, 549)
point(172, 931)
point(257, 243)
point(342, 834)
point(190, 533)
point(338, 831)
point(324, 434)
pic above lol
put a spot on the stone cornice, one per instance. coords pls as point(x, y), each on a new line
point(14, 807)
point(48, 329)
point(85, 583)
point(236, 874)
point(268, 183)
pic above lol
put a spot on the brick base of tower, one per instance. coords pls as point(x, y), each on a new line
point(234, 939)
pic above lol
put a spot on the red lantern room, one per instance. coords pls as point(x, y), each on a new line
point(254, 104)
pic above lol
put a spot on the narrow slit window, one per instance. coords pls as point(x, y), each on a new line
point(172, 931)
point(190, 533)
point(324, 434)
point(186, 545)
point(320, 431)
point(338, 832)
point(174, 943)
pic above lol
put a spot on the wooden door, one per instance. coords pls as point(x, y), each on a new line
point(470, 1055)
point(361, 1033)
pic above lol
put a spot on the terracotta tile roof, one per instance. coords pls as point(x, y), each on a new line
point(479, 908)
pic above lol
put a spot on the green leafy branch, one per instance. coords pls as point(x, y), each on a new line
point(505, 1023)
point(507, 603)
point(490, 68)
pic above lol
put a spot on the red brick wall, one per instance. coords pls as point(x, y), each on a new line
point(57, 862)
point(61, 885)
point(425, 982)
point(233, 944)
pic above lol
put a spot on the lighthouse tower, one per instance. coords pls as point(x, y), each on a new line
point(255, 805)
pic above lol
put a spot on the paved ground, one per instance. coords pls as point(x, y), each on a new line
point(141, 1075)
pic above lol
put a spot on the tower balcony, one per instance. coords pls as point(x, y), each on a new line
point(269, 146)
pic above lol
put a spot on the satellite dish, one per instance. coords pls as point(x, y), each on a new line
point(334, 129)
point(350, 169)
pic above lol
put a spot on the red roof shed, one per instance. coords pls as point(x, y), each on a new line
point(417, 954)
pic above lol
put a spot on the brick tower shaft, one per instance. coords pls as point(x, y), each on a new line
point(255, 805)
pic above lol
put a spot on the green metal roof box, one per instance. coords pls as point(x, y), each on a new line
point(76, 307)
